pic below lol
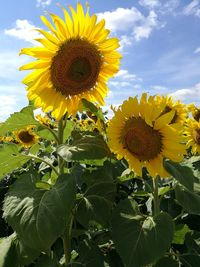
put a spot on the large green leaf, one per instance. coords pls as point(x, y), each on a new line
point(8, 253)
point(87, 146)
point(183, 174)
point(96, 204)
point(18, 120)
point(90, 255)
point(94, 209)
point(166, 262)
point(188, 200)
point(140, 240)
point(46, 261)
point(39, 216)
point(10, 159)
point(190, 260)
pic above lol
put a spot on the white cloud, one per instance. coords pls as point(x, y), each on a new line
point(9, 65)
point(144, 30)
point(159, 88)
point(43, 3)
point(188, 95)
point(23, 30)
point(192, 9)
point(197, 50)
point(149, 3)
point(125, 19)
point(121, 19)
point(125, 75)
point(125, 41)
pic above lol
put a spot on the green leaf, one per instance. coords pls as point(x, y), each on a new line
point(8, 255)
point(148, 238)
point(88, 146)
point(94, 209)
point(192, 241)
point(103, 189)
point(183, 174)
point(46, 261)
point(18, 120)
point(190, 260)
point(90, 255)
point(188, 200)
point(166, 262)
point(88, 106)
point(25, 254)
point(45, 133)
point(10, 159)
point(179, 234)
point(68, 130)
point(38, 216)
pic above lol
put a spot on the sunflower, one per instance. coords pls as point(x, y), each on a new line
point(168, 103)
point(45, 120)
point(74, 62)
point(192, 132)
point(195, 111)
point(26, 137)
point(141, 134)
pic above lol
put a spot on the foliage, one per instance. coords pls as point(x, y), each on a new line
point(96, 211)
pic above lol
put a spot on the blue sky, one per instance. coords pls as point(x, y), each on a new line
point(160, 44)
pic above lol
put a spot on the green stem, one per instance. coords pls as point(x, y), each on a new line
point(67, 235)
point(155, 196)
point(42, 160)
point(67, 241)
point(60, 142)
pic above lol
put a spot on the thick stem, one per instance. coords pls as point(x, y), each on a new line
point(67, 234)
point(156, 197)
point(60, 142)
point(67, 241)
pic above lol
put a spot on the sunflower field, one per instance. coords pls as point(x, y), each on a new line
point(81, 188)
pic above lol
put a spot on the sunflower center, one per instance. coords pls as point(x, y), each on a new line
point(196, 134)
point(75, 68)
point(142, 140)
point(25, 137)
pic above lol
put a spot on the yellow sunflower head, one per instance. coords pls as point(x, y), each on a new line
point(180, 110)
point(44, 120)
point(141, 134)
point(74, 62)
point(192, 132)
point(26, 137)
point(195, 112)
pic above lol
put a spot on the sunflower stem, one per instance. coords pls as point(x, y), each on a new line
point(60, 142)
point(67, 241)
point(67, 234)
point(156, 202)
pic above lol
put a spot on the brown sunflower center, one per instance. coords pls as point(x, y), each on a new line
point(75, 68)
point(142, 140)
point(196, 114)
point(168, 109)
point(25, 136)
point(196, 134)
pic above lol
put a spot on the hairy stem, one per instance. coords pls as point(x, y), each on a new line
point(156, 197)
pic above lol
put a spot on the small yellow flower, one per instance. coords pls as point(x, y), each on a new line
point(26, 137)
point(179, 108)
point(192, 132)
point(75, 61)
point(45, 121)
point(141, 134)
point(195, 111)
